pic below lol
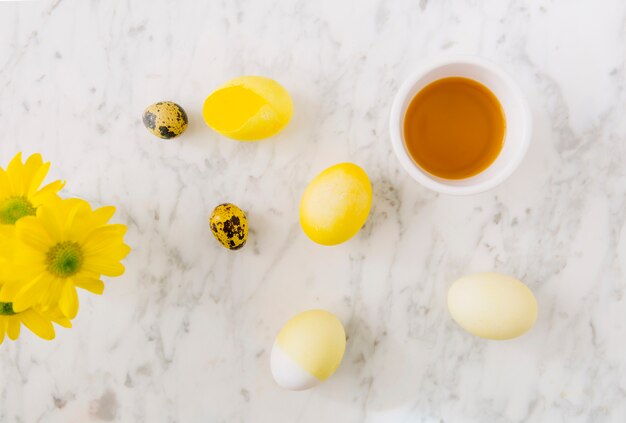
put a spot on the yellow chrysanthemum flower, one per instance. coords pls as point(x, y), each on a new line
point(39, 323)
point(20, 194)
point(66, 245)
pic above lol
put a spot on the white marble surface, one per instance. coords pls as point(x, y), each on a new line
point(184, 335)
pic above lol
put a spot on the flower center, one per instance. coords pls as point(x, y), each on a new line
point(13, 209)
point(64, 259)
point(6, 309)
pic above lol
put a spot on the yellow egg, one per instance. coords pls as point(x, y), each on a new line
point(229, 226)
point(248, 108)
point(165, 119)
point(492, 305)
point(336, 204)
point(308, 350)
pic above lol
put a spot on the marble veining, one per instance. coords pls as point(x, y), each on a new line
point(185, 334)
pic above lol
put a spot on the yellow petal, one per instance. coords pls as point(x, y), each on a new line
point(68, 303)
point(115, 252)
point(104, 237)
point(88, 222)
point(15, 161)
point(48, 220)
point(7, 231)
point(26, 177)
point(73, 215)
point(13, 327)
point(50, 296)
point(31, 231)
point(3, 328)
point(7, 240)
point(84, 273)
point(5, 184)
point(90, 284)
point(103, 266)
point(59, 319)
point(35, 174)
point(14, 172)
point(9, 291)
point(111, 254)
point(27, 261)
point(102, 215)
point(68, 219)
point(30, 293)
point(39, 325)
point(47, 194)
point(32, 164)
point(121, 252)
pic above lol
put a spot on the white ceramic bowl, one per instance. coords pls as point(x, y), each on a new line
point(516, 111)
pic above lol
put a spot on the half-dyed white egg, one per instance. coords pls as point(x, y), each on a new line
point(308, 350)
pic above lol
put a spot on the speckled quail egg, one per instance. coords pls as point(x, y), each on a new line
point(165, 119)
point(229, 225)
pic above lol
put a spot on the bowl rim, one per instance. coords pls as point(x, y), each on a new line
point(397, 139)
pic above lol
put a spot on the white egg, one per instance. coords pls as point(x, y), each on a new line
point(288, 374)
point(492, 305)
point(307, 350)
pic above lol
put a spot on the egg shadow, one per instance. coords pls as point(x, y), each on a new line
point(375, 372)
point(197, 132)
point(259, 226)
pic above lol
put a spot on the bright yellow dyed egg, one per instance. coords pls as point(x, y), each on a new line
point(492, 305)
point(248, 108)
point(308, 350)
point(336, 204)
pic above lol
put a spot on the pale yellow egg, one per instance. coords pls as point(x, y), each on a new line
point(492, 305)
